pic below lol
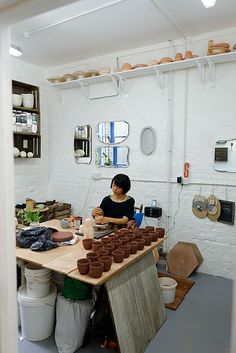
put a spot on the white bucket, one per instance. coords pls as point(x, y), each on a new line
point(37, 315)
point(168, 289)
point(38, 281)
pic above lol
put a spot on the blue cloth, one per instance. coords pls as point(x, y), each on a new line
point(138, 217)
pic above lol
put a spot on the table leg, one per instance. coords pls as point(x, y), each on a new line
point(136, 305)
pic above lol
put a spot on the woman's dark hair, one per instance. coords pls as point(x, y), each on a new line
point(122, 181)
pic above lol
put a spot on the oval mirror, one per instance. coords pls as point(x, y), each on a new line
point(112, 156)
point(148, 140)
point(83, 144)
point(112, 132)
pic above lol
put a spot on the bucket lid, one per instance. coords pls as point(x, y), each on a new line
point(24, 298)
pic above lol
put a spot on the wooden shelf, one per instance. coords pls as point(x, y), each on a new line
point(24, 141)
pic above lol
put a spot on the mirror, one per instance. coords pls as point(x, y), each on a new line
point(148, 140)
point(83, 144)
point(112, 132)
point(112, 156)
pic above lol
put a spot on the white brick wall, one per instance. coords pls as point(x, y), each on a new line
point(211, 113)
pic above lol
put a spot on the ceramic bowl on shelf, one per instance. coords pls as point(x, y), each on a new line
point(78, 74)
point(16, 99)
point(54, 79)
point(68, 77)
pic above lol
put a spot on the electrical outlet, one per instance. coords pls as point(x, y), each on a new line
point(179, 180)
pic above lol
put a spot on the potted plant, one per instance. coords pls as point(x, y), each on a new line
point(29, 217)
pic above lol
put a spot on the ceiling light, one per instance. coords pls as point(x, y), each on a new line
point(208, 3)
point(15, 51)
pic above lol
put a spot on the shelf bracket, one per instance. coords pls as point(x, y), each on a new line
point(121, 85)
point(212, 71)
point(85, 89)
point(160, 78)
point(201, 71)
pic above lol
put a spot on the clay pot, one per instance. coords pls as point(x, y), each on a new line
point(130, 236)
point(126, 249)
point(109, 247)
point(150, 228)
point(154, 235)
point(96, 245)
point(116, 242)
point(138, 235)
point(144, 230)
point(118, 255)
point(102, 252)
point(83, 266)
point(124, 240)
point(87, 243)
point(96, 269)
point(92, 256)
point(105, 240)
point(141, 243)
point(107, 261)
point(119, 233)
point(161, 232)
point(148, 239)
point(134, 247)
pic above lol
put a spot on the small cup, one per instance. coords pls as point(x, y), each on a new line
point(141, 243)
point(64, 223)
point(118, 255)
point(126, 249)
point(96, 269)
point(83, 266)
point(107, 260)
point(96, 245)
point(134, 247)
point(92, 256)
point(87, 243)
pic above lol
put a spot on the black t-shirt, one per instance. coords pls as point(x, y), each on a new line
point(118, 209)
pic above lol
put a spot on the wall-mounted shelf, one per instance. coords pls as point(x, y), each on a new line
point(26, 121)
point(199, 62)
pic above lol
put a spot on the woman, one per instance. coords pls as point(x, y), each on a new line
point(118, 208)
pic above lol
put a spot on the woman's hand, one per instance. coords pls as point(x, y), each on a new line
point(101, 220)
point(97, 212)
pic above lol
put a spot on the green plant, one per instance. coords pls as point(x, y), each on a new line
point(28, 216)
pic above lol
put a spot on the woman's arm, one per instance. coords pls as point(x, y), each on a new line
point(118, 221)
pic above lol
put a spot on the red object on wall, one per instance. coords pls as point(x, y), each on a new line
point(186, 170)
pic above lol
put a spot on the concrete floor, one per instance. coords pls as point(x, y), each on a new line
point(201, 324)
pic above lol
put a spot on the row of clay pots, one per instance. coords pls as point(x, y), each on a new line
point(94, 268)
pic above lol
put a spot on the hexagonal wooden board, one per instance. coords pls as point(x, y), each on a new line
point(183, 259)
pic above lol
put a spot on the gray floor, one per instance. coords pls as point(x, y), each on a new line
point(201, 324)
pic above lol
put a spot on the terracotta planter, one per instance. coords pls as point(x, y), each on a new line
point(87, 244)
point(154, 235)
point(105, 240)
point(147, 239)
point(113, 236)
point(96, 245)
point(83, 266)
point(120, 232)
point(116, 242)
point(92, 256)
point(150, 228)
point(96, 269)
point(138, 235)
point(118, 255)
point(124, 240)
point(109, 247)
point(134, 247)
point(102, 252)
point(126, 249)
point(144, 230)
point(161, 232)
point(130, 236)
point(107, 261)
point(141, 243)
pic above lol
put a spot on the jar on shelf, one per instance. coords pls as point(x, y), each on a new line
point(18, 122)
point(24, 123)
point(29, 122)
point(34, 124)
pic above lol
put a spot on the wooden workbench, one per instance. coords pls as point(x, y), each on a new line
point(132, 287)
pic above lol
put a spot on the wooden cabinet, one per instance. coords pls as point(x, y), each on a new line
point(26, 119)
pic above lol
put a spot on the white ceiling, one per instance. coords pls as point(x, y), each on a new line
point(124, 25)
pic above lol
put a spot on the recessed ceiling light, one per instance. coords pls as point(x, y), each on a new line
point(15, 51)
point(208, 3)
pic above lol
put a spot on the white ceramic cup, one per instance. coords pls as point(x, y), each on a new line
point(28, 100)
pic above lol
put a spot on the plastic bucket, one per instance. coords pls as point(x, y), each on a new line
point(168, 289)
point(37, 314)
point(38, 281)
